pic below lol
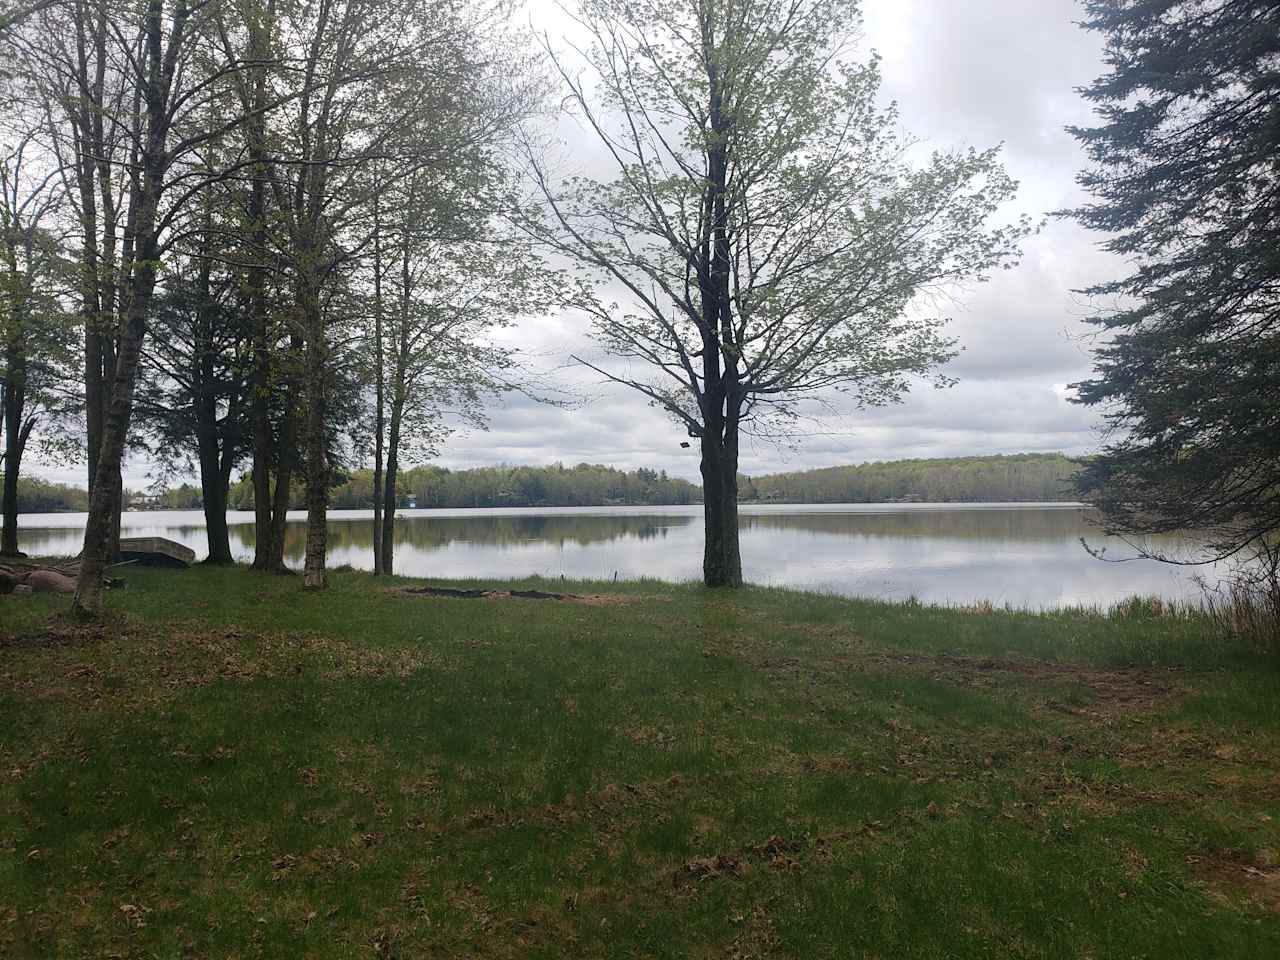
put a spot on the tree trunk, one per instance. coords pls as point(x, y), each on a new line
point(214, 494)
point(96, 384)
point(9, 539)
point(378, 498)
point(93, 400)
point(102, 529)
point(379, 425)
point(13, 398)
point(99, 378)
point(117, 269)
point(286, 463)
point(317, 469)
point(15, 442)
point(215, 518)
point(264, 529)
point(720, 401)
point(388, 535)
point(286, 460)
point(117, 509)
point(100, 276)
point(262, 452)
point(721, 557)
point(229, 458)
point(88, 146)
point(102, 526)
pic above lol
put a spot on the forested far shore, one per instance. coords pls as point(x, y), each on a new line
point(42, 496)
point(583, 485)
point(1016, 477)
point(1019, 477)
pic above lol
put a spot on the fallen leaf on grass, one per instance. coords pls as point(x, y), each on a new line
point(282, 865)
point(134, 914)
point(777, 851)
point(707, 868)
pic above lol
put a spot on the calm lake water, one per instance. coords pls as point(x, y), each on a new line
point(1021, 554)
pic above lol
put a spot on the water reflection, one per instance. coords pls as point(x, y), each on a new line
point(1020, 554)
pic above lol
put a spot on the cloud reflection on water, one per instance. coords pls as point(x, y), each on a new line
point(1024, 555)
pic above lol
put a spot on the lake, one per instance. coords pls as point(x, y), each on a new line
point(1021, 554)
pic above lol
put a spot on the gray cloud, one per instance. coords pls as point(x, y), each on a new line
point(982, 72)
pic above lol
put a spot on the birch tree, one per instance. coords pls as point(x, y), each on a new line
point(766, 227)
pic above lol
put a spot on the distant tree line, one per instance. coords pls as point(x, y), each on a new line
point(1020, 477)
point(41, 496)
point(583, 485)
point(45, 496)
point(1024, 477)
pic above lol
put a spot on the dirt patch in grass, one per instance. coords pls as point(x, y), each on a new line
point(1103, 693)
point(59, 634)
point(775, 853)
point(131, 667)
point(590, 600)
point(1111, 691)
point(1233, 874)
point(234, 654)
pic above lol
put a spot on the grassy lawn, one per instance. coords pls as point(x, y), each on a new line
point(234, 768)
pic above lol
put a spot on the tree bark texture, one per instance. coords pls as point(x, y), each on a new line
point(721, 556)
point(388, 534)
point(102, 529)
point(262, 440)
point(212, 449)
point(263, 455)
point(213, 492)
point(102, 526)
point(720, 400)
point(317, 459)
point(286, 463)
point(16, 432)
point(380, 426)
point(14, 398)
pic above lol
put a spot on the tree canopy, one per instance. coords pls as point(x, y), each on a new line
point(225, 176)
point(767, 227)
point(1185, 180)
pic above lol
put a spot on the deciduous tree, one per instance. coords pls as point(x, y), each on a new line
point(767, 226)
point(448, 275)
point(34, 328)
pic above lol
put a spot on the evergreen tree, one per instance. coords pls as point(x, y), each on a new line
point(1186, 179)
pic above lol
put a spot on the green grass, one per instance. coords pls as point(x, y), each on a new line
point(231, 767)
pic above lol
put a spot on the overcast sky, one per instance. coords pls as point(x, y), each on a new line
point(971, 73)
